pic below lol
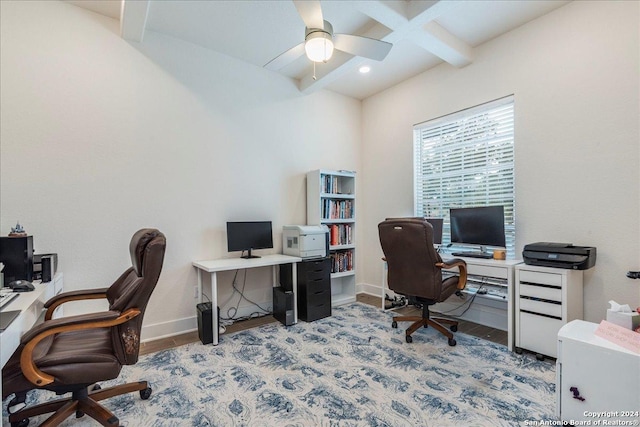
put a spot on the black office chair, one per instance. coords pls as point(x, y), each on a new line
point(71, 354)
point(414, 269)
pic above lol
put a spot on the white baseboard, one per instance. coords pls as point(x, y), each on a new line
point(369, 289)
point(168, 329)
point(185, 325)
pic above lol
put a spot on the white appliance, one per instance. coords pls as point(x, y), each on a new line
point(595, 378)
point(305, 241)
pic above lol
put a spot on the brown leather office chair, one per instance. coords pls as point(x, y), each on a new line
point(71, 354)
point(414, 269)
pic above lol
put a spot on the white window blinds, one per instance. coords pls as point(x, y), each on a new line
point(466, 159)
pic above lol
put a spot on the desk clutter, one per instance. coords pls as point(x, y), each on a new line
point(6, 317)
point(20, 262)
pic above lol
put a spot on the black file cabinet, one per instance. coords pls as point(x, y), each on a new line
point(314, 287)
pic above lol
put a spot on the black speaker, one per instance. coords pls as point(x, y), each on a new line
point(45, 267)
point(283, 306)
point(204, 322)
point(16, 253)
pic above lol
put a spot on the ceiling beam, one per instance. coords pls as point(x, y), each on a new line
point(397, 20)
point(391, 14)
point(133, 19)
point(437, 40)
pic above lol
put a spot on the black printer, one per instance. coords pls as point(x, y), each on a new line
point(559, 255)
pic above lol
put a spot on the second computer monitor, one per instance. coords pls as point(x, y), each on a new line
point(249, 235)
point(436, 223)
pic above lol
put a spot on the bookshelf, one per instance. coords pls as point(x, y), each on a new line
point(331, 201)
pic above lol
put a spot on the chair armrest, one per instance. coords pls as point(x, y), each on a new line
point(57, 300)
point(462, 268)
point(31, 339)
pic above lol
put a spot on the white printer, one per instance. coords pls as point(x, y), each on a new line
point(305, 241)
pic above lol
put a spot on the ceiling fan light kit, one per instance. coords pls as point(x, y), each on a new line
point(319, 43)
point(319, 40)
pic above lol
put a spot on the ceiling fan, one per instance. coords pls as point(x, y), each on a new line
point(319, 40)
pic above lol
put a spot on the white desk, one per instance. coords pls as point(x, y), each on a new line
point(229, 264)
point(494, 309)
point(31, 305)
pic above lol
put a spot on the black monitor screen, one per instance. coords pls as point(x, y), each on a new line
point(248, 235)
point(436, 223)
point(482, 225)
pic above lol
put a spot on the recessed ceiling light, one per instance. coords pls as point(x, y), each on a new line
point(365, 69)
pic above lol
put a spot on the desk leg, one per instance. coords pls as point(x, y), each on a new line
point(199, 285)
point(214, 308)
point(510, 316)
point(294, 282)
point(383, 284)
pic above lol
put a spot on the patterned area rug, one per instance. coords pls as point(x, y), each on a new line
point(351, 369)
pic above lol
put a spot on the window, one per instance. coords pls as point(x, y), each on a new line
point(466, 159)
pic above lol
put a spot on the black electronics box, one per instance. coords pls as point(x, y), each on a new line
point(45, 267)
point(16, 253)
point(283, 306)
point(205, 332)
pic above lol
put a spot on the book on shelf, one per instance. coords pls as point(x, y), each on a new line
point(331, 184)
point(334, 235)
point(337, 209)
point(342, 261)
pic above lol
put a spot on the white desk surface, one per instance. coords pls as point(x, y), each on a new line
point(225, 264)
point(483, 261)
point(30, 305)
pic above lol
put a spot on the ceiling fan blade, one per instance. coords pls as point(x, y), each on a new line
point(286, 58)
point(362, 46)
point(311, 12)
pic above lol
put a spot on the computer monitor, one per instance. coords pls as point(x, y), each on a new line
point(482, 225)
point(436, 223)
point(249, 235)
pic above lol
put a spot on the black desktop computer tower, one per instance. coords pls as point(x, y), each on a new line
point(283, 306)
point(204, 322)
point(16, 253)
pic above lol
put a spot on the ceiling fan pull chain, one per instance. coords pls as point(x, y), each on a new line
point(314, 70)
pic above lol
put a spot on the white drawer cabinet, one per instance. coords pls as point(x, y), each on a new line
point(545, 300)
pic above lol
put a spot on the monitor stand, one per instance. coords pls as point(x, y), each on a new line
point(248, 255)
point(480, 253)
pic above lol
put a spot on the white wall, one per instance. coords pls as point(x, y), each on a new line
point(100, 137)
point(574, 74)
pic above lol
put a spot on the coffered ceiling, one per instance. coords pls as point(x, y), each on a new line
point(423, 33)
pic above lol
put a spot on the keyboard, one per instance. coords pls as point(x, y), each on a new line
point(473, 255)
point(6, 298)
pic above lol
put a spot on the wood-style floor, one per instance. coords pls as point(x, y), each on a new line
point(469, 328)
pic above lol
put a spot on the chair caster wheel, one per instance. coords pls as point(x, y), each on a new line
point(452, 342)
point(96, 387)
point(453, 328)
point(394, 324)
point(146, 393)
point(408, 339)
point(518, 350)
point(21, 423)
point(79, 414)
point(15, 405)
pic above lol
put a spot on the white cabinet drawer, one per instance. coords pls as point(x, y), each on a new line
point(541, 307)
point(487, 270)
point(538, 333)
point(540, 277)
point(544, 292)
